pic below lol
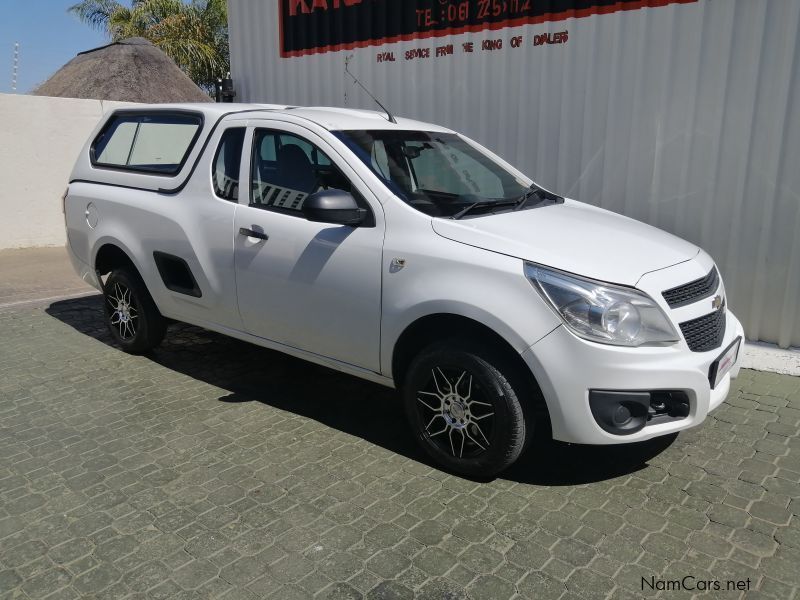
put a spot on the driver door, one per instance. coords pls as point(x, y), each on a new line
point(312, 286)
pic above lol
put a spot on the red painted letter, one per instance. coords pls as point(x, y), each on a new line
point(293, 6)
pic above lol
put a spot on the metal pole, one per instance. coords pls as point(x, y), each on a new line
point(16, 67)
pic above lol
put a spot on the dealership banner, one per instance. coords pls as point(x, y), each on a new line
point(314, 26)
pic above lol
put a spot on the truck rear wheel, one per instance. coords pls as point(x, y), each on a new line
point(131, 315)
point(464, 409)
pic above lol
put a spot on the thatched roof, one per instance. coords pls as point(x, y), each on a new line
point(132, 70)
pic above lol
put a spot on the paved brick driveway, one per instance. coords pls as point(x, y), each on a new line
point(216, 469)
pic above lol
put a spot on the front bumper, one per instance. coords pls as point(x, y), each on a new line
point(567, 368)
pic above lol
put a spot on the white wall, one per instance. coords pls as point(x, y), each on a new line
point(40, 138)
point(686, 116)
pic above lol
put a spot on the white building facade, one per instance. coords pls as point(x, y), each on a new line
point(681, 113)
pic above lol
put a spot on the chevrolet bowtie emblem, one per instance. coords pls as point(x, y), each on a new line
point(716, 302)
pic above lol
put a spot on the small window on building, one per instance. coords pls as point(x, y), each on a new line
point(154, 143)
point(225, 168)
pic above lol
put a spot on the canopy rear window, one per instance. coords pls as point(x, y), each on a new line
point(155, 143)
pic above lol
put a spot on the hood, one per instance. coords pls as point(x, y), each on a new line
point(574, 237)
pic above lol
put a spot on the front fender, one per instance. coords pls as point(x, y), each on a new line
point(447, 277)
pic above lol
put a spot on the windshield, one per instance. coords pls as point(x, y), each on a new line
point(440, 174)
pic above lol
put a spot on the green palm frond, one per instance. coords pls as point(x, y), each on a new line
point(122, 25)
point(193, 33)
point(95, 13)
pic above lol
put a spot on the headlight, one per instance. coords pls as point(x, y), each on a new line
point(602, 312)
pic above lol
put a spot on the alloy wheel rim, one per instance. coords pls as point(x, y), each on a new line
point(124, 315)
point(455, 414)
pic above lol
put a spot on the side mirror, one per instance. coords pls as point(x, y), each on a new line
point(333, 206)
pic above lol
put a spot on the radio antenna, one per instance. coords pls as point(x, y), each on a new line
point(389, 115)
point(15, 69)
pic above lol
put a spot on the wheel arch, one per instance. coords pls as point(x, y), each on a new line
point(109, 256)
point(439, 326)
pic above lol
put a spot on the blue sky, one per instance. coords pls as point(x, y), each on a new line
point(48, 38)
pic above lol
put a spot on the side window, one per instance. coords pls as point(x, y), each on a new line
point(380, 159)
point(285, 169)
point(115, 145)
point(314, 155)
point(225, 168)
point(152, 143)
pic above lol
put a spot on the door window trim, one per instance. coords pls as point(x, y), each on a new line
point(234, 125)
point(369, 221)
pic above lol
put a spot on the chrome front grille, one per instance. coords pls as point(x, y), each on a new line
point(705, 333)
point(692, 291)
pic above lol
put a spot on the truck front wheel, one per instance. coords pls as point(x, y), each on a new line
point(463, 405)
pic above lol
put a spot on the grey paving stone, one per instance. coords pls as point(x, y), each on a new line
point(147, 576)
point(480, 559)
point(770, 512)
point(472, 530)
point(341, 566)
point(390, 590)
point(194, 574)
point(782, 569)
point(528, 554)
point(573, 552)
point(9, 580)
point(435, 561)
point(537, 585)
point(588, 584)
point(20, 554)
point(341, 591)
point(441, 589)
point(97, 580)
point(388, 563)
point(733, 517)
point(665, 546)
point(490, 587)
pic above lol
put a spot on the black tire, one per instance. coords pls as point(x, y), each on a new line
point(463, 436)
point(130, 313)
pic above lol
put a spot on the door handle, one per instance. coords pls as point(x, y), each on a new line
point(251, 233)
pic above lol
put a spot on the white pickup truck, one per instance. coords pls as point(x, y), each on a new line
point(407, 254)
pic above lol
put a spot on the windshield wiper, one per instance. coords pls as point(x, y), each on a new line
point(483, 204)
point(524, 199)
point(517, 204)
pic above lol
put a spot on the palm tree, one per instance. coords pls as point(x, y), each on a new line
point(194, 34)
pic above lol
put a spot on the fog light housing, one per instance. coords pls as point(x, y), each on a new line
point(620, 413)
point(624, 413)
